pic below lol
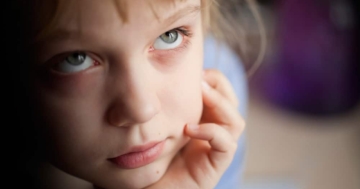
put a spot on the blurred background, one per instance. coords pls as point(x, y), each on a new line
point(303, 127)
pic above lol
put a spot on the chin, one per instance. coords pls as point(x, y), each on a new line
point(132, 181)
point(136, 183)
point(150, 181)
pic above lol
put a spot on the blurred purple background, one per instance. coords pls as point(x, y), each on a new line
point(303, 125)
point(314, 65)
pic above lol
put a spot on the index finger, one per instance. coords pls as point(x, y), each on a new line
point(219, 82)
point(223, 111)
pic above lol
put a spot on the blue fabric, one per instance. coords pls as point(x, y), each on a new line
point(219, 56)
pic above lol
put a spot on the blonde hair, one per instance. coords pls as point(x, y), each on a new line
point(223, 19)
point(230, 24)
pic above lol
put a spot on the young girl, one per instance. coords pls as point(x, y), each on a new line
point(119, 97)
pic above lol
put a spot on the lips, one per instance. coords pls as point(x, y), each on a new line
point(139, 156)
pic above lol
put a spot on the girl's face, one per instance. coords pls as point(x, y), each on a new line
point(113, 80)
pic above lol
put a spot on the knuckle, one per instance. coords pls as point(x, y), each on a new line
point(216, 99)
point(213, 72)
point(239, 126)
point(218, 75)
point(221, 99)
point(212, 128)
point(242, 123)
point(235, 102)
point(233, 146)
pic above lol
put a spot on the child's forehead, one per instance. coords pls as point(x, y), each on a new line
point(158, 8)
point(60, 11)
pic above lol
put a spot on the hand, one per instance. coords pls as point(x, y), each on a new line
point(213, 143)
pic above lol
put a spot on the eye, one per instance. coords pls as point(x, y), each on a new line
point(75, 62)
point(168, 40)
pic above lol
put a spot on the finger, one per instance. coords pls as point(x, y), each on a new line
point(219, 82)
point(222, 111)
point(222, 144)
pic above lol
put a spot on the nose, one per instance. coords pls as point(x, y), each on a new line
point(136, 101)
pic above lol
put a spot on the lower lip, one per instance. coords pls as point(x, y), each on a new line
point(138, 159)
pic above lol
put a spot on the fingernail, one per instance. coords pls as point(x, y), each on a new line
point(205, 85)
point(193, 127)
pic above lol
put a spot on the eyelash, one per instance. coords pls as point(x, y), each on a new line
point(186, 34)
point(184, 31)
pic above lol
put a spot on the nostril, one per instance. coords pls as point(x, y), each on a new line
point(115, 117)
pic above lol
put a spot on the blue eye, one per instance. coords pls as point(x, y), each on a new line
point(168, 40)
point(76, 62)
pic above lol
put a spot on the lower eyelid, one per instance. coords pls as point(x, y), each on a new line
point(183, 45)
point(172, 52)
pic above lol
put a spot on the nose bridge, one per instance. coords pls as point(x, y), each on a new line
point(141, 100)
point(137, 101)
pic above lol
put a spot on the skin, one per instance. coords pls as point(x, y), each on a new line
point(133, 94)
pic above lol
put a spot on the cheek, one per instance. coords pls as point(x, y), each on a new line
point(70, 117)
point(182, 95)
point(70, 86)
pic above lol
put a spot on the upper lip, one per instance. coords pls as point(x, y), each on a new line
point(140, 148)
